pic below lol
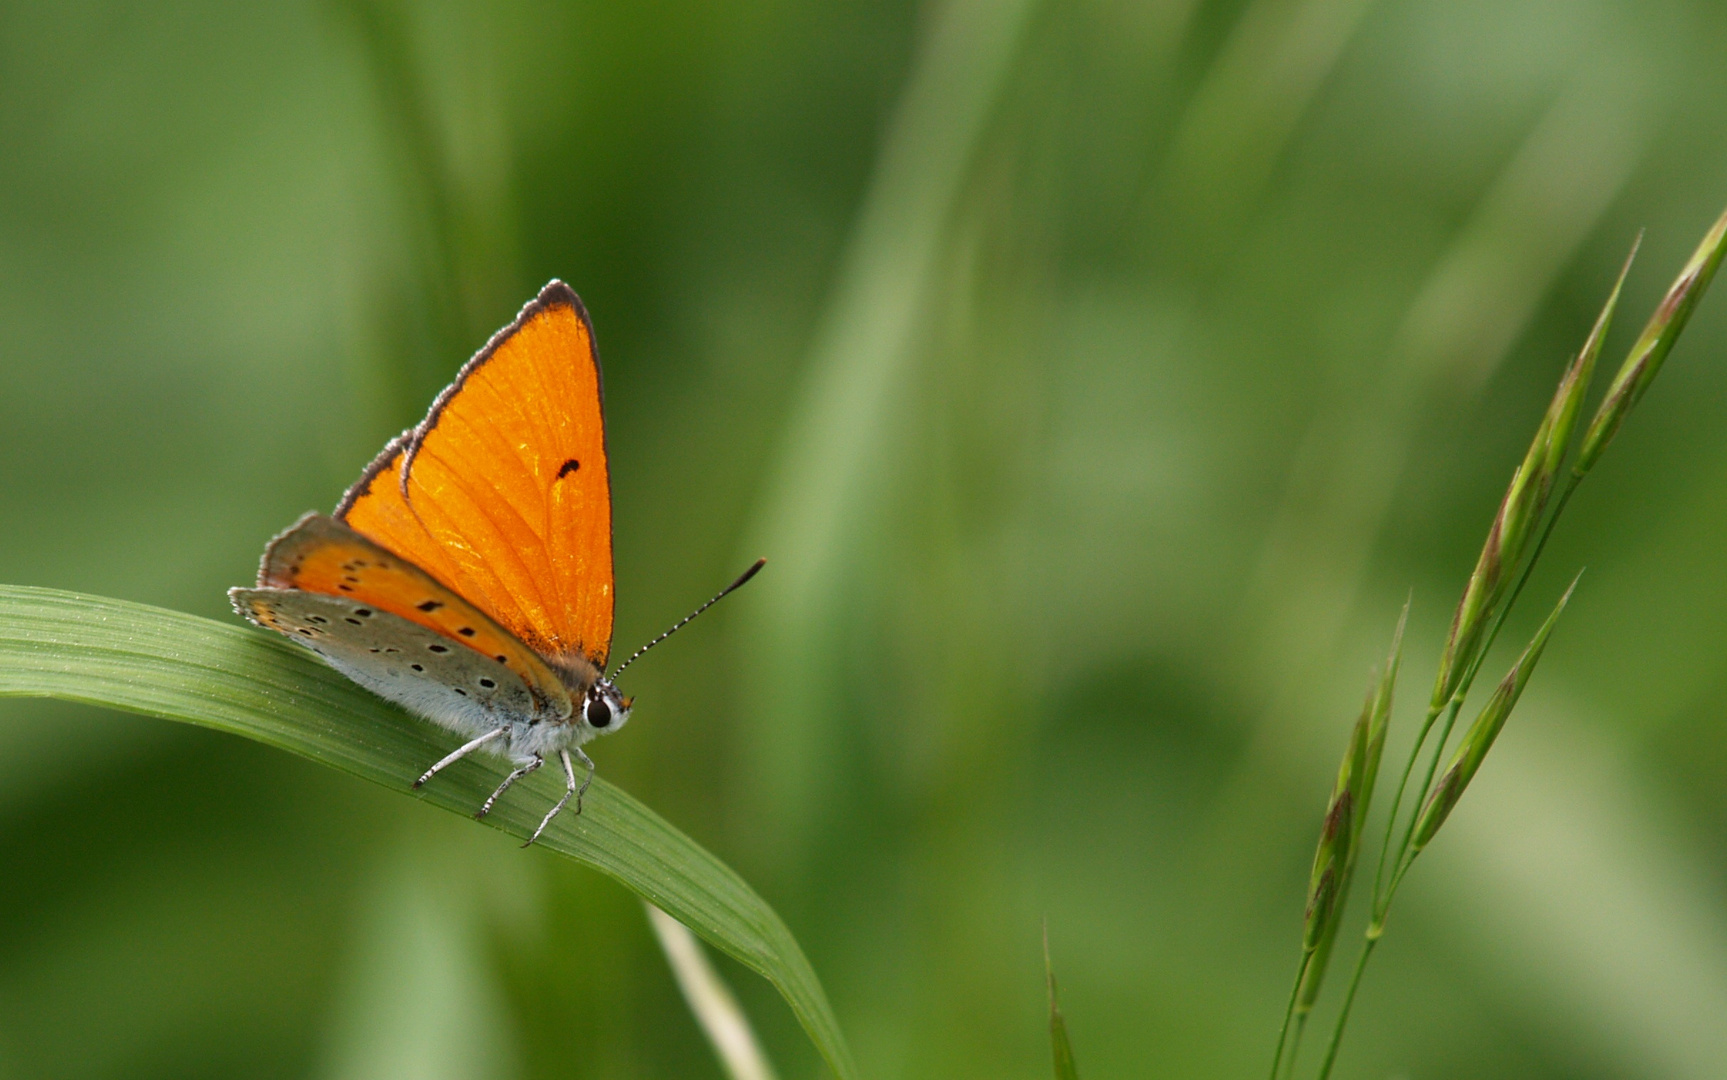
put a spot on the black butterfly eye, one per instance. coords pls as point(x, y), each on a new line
point(599, 713)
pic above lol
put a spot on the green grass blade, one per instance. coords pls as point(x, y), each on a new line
point(250, 683)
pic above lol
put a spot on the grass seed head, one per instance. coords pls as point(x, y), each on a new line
point(1379, 721)
point(1644, 361)
point(1568, 401)
point(1337, 835)
point(1479, 739)
point(1334, 865)
point(1520, 509)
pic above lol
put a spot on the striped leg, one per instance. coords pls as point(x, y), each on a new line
point(521, 771)
point(460, 753)
point(569, 790)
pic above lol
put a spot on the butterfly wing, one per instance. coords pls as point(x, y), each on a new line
point(503, 493)
point(396, 659)
point(321, 556)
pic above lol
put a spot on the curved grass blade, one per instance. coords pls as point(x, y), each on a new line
point(181, 667)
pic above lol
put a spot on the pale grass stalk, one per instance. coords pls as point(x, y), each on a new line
point(711, 1000)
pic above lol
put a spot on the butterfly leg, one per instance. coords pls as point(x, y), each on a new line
point(461, 752)
point(583, 790)
point(521, 771)
point(569, 790)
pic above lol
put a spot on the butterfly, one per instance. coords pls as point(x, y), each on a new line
point(467, 575)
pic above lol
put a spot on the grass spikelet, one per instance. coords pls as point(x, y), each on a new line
point(1337, 835)
point(1521, 508)
point(1479, 738)
point(1369, 732)
point(1380, 722)
point(1644, 361)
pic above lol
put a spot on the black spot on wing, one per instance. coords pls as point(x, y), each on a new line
point(431, 605)
point(568, 467)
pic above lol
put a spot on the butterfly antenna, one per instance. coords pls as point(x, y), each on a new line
point(681, 623)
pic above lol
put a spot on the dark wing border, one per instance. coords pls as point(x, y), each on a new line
point(408, 443)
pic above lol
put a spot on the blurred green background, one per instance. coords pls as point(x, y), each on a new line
point(1099, 378)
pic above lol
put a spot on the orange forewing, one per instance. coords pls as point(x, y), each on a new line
point(502, 492)
point(318, 554)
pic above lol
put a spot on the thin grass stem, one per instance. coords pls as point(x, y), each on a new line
point(1289, 1010)
point(1396, 802)
point(1374, 929)
point(1398, 864)
point(1295, 1045)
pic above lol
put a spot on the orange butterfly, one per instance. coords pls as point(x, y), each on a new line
point(467, 575)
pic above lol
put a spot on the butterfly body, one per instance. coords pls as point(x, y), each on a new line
point(467, 575)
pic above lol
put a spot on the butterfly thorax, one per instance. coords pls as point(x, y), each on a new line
point(578, 673)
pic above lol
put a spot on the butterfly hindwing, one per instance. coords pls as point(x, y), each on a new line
point(503, 493)
point(320, 555)
point(396, 659)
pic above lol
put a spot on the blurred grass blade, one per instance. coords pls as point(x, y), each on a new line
point(829, 475)
point(1251, 101)
point(1643, 363)
point(710, 999)
point(180, 667)
point(420, 998)
point(1059, 1044)
point(1481, 734)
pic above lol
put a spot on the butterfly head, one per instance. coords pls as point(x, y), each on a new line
point(604, 710)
